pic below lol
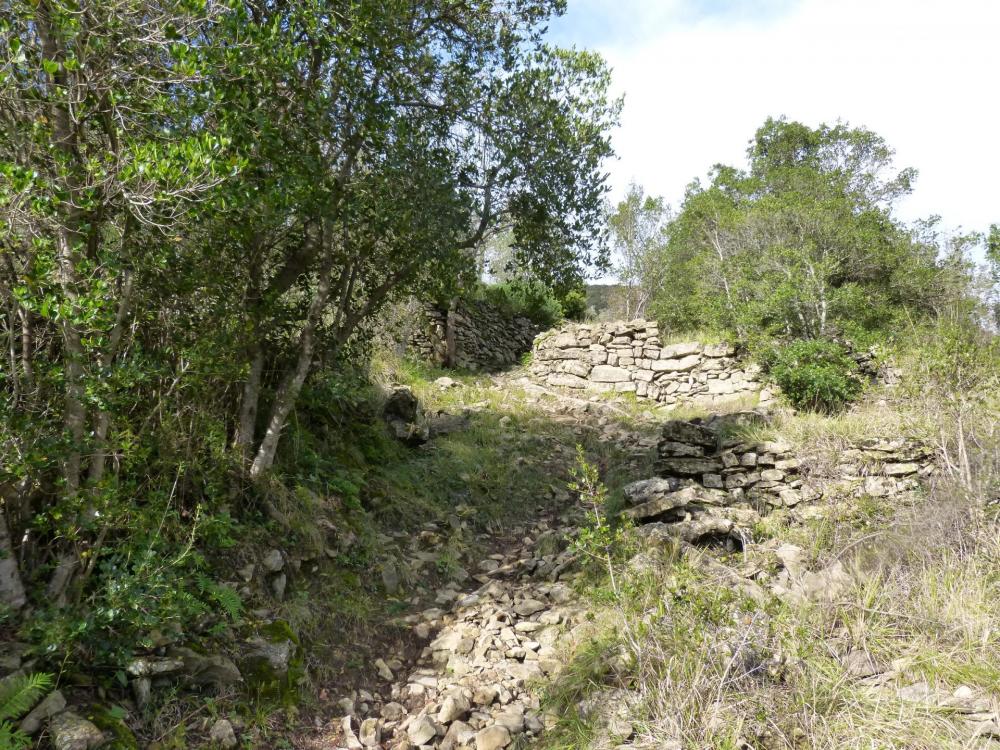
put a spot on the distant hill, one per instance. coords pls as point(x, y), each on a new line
point(603, 299)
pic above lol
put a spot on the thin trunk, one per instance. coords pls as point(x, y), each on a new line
point(27, 344)
point(450, 340)
point(15, 380)
point(75, 412)
point(11, 588)
point(99, 459)
point(247, 428)
point(290, 387)
point(716, 243)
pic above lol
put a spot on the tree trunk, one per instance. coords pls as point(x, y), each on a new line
point(287, 394)
point(450, 342)
point(99, 458)
point(75, 415)
point(247, 427)
point(11, 588)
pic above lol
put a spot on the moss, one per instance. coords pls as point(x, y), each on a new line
point(266, 682)
point(109, 721)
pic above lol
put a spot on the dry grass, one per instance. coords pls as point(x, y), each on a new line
point(710, 667)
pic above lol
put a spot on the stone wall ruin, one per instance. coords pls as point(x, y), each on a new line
point(473, 335)
point(630, 358)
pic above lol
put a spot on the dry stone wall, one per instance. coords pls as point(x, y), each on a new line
point(629, 358)
point(473, 336)
point(713, 488)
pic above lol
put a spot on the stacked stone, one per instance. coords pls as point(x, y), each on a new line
point(427, 340)
point(486, 338)
point(713, 488)
point(629, 358)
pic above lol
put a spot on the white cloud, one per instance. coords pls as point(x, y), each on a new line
point(921, 73)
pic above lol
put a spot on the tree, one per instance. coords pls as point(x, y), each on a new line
point(201, 202)
point(442, 130)
point(803, 243)
point(638, 235)
point(101, 144)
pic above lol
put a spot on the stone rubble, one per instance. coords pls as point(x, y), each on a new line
point(713, 488)
point(489, 650)
point(472, 686)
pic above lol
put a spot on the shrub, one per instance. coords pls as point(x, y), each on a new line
point(815, 374)
point(574, 304)
point(528, 299)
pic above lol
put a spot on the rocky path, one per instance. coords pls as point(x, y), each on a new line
point(489, 646)
point(474, 683)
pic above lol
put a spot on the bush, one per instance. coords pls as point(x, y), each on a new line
point(815, 374)
point(528, 299)
point(574, 305)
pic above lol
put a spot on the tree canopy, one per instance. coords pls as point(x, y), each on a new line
point(802, 243)
point(201, 202)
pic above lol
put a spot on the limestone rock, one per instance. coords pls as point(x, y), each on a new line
point(273, 561)
point(49, 706)
point(646, 490)
point(370, 733)
point(675, 365)
point(402, 404)
point(609, 374)
point(689, 433)
point(689, 466)
point(222, 734)
point(422, 731)
point(210, 669)
point(70, 731)
point(492, 738)
point(453, 707)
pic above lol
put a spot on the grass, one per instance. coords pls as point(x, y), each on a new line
point(709, 666)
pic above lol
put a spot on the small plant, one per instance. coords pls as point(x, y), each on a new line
point(816, 375)
point(18, 694)
point(598, 538)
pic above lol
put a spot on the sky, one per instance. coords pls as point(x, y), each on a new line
point(700, 76)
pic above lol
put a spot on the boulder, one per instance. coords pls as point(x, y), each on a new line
point(566, 380)
point(222, 734)
point(689, 432)
point(402, 404)
point(206, 669)
point(900, 469)
point(690, 467)
point(673, 351)
point(49, 706)
point(646, 490)
point(696, 529)
point(492, 738)
point(422, 730)
point(70, 731)
point(370, 733)
point(684, 364)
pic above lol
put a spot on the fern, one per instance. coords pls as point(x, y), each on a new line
point(224, 596)
point(18, 693)
point(12, 739)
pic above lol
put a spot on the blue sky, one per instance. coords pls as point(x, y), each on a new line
point(700, 77)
